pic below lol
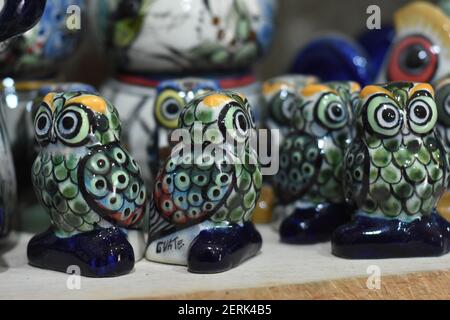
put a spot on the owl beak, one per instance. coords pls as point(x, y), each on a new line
point(52, 136)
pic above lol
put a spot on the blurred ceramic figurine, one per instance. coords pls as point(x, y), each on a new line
point(311, 158)
point(15, 17)
point(159, 40)
point(90, 186)
point(395, 171)
point(420, 51)
point(206, 192)
point(279, 100)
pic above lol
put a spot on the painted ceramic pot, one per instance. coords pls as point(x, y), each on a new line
point(15, 17)
point(186, 36)
point(395, 171)
point(40, 52)
point(311, 156)
point(90, 186)
point(207, 189)
point(420, 51)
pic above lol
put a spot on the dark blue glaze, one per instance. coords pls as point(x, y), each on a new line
point(375, 238)
point(17, 16)
point(98, 253)
point(312, 225)
point(220, 249)
point(376, 43)
point(334, 58)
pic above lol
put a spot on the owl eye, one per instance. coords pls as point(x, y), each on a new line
point(73, 126)
point(43, 124)
point(282, 106)
point(413, 58)
point(234, 122)
point(422, 115)
point(241, 123)
point(383, 116)
point(332, 112)
point(169, 105)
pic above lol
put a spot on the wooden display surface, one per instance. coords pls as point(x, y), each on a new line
point(279, 272)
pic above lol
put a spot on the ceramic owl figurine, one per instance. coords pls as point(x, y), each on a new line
point(171, 97)
point(420, 51)
point(311, 155)
point(205, 193)
point(395, 171)
point(279, 98)
point(90, 186)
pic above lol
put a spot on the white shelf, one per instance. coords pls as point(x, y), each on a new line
point(277, 265)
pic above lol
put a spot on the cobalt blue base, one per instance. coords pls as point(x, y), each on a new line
point(98, 253)
point(375, 238)
point(221, 249)
point(313, 225)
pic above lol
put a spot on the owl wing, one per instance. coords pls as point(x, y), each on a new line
point(356, 173)
point(111, 184)
point(300, 162)
point(188, 192)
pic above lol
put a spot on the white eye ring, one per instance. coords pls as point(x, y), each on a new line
point(63, 128)
point(171, 114)
point(419, 112)
point(42, 128)
point(287, 107)
point(387, 116)
point(241, 123)
point(332, 107)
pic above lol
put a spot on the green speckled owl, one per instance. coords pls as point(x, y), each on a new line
point(82, 175)
point(311, 156)
point(396, 167)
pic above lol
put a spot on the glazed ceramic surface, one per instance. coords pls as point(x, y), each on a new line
point(421, 49)
point(442, 89)
point(185, 35)
point(15, 17)
point(89, 184)
point(136, 105)
point(395, 171)
point(311, 156)
point(40, 51)
point(203, 201)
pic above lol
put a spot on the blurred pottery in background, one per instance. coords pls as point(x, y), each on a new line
point(215, 40)
point(204, 199)
point(396, 169)
point(90, 186)
point(420, 51)
point(15, 17)
point(310, 177)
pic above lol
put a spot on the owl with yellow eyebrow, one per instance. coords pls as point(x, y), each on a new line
point(206, 191)
point(395, 170)
point(88, 183)
point(311, 156)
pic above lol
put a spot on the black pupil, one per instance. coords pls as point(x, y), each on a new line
point(42, 123)
point(420, 112)
point(415, 58)
point(172, 108)
point(336, 110)
point(68, 123)
point(242, 122)
point(388, 115)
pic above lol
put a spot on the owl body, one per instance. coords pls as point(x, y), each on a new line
point(214, 180)
point(82, 175)
point(397, 167)
point(311, 155)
